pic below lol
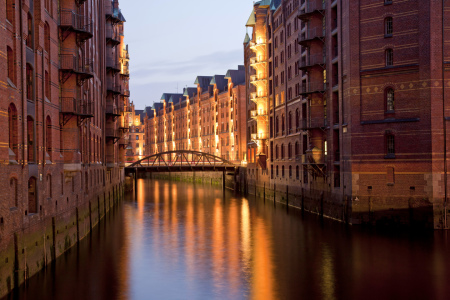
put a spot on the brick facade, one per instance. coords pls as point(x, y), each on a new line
point(357, 103)
point(60, 171)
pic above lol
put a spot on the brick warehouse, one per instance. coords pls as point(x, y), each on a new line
point(356, 94)
point(209, 118)
point(64, 90)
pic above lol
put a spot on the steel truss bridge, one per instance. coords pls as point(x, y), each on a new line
point(182, 161)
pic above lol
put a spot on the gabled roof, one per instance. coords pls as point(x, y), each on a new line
point(264, 3)
point(247, 38)
point(237, 76)
point(219, 81)
point(251, 20)
point(166, 96)
point(275, 4)
point(203, 81)
point(189, 92)
point(175, 98)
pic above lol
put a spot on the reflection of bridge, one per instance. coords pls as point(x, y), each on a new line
point(182, 161)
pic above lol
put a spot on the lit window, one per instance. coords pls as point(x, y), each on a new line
point(390, 99)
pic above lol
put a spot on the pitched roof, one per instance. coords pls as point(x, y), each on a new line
point(189, 91)
point(237, 76)
point(203, 81)
point(247, 38)
point(251, 19)
point(275, 4)
point(219, 81)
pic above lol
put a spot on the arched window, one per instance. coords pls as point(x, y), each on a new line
point(390, 99)
point(282, 151)
point(12, 127)
point(29, 82)
point(30, 140)
point(297, 172)
point(297, 119)
point(10, 64)
point(48, 139)
point(388, 28)
point(389, 57)
point(47, 85)
point(289, 150)
point(282, 124)
point(297, 148)
point(277, 171)
point(47, 38)
point(290, 171)
point(13, 192)
point(30, 31)
point(32, 196)
point(276, 151)
point(390, 145)
point(282, 171)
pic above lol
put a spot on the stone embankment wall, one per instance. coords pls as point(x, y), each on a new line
point(45, 238)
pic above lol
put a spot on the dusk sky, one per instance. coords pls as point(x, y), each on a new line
point(171, 42)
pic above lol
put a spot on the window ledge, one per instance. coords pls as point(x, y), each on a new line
point(390, 156)
point(388, 35)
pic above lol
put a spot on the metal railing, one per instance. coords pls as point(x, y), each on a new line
point(72, 63)
point(257, 59)
point(259, 136)
point(112, 34)
point(313, 87)
point(69, 19)
point(112, 132)
point(312, 6)
point(312, 33)
point(311, 60)
point(112, 109)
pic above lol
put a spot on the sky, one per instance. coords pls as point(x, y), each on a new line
point(171, 42)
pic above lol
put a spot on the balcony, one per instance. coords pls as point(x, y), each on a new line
point(112, 14)
point(256, 98)
point(123, 141)
point(112, 133)
point(311, 61)
point(126, 93)
point(112, 37)
point(259, 43)
point(309, 35)
point(125, 71)
point(113, 110)
point(311, 8)
point(313, 87)
point(259, 136)
point(70, 64)
point(113, 65)
point(257, 60)
point(258, 113)
point(255, 79)
point(314, 123)
point(79, 24)
point(72, 106)
point(113, 88)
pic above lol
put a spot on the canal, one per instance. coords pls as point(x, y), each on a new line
point(189, 241)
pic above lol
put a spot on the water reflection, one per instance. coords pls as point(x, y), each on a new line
point(185, 241)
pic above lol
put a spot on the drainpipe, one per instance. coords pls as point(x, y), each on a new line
point(444, 119)
point(24, 102)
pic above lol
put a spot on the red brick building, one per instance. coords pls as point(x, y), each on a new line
point(357, 106)
point(209, 118)
point(62, 67)
point(136, 139)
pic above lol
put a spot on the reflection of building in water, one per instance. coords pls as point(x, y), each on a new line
point(136, 141)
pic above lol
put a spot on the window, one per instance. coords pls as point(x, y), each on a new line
point(29, 82)
point(297, 172)
point(48, 139)
point(137, 145)
point(277, 126)
point(282, 123)
point(49, 186)
point(389, 100)
point(32, 196)
point(297, 119)
point(47, 38)
point(297, 148)
point(13, 192)
point(277, 171)
point(289, 150)
point(10, 11)
point(282, 171)
point(47, 85)
point(290, 171)
point(12, 127)
point(30, 140)
point(137, 138)
point(10, 65)
point(30, 31)
point(389, 57)
point(282, 151)
point(388, 28)
point(390, 145)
